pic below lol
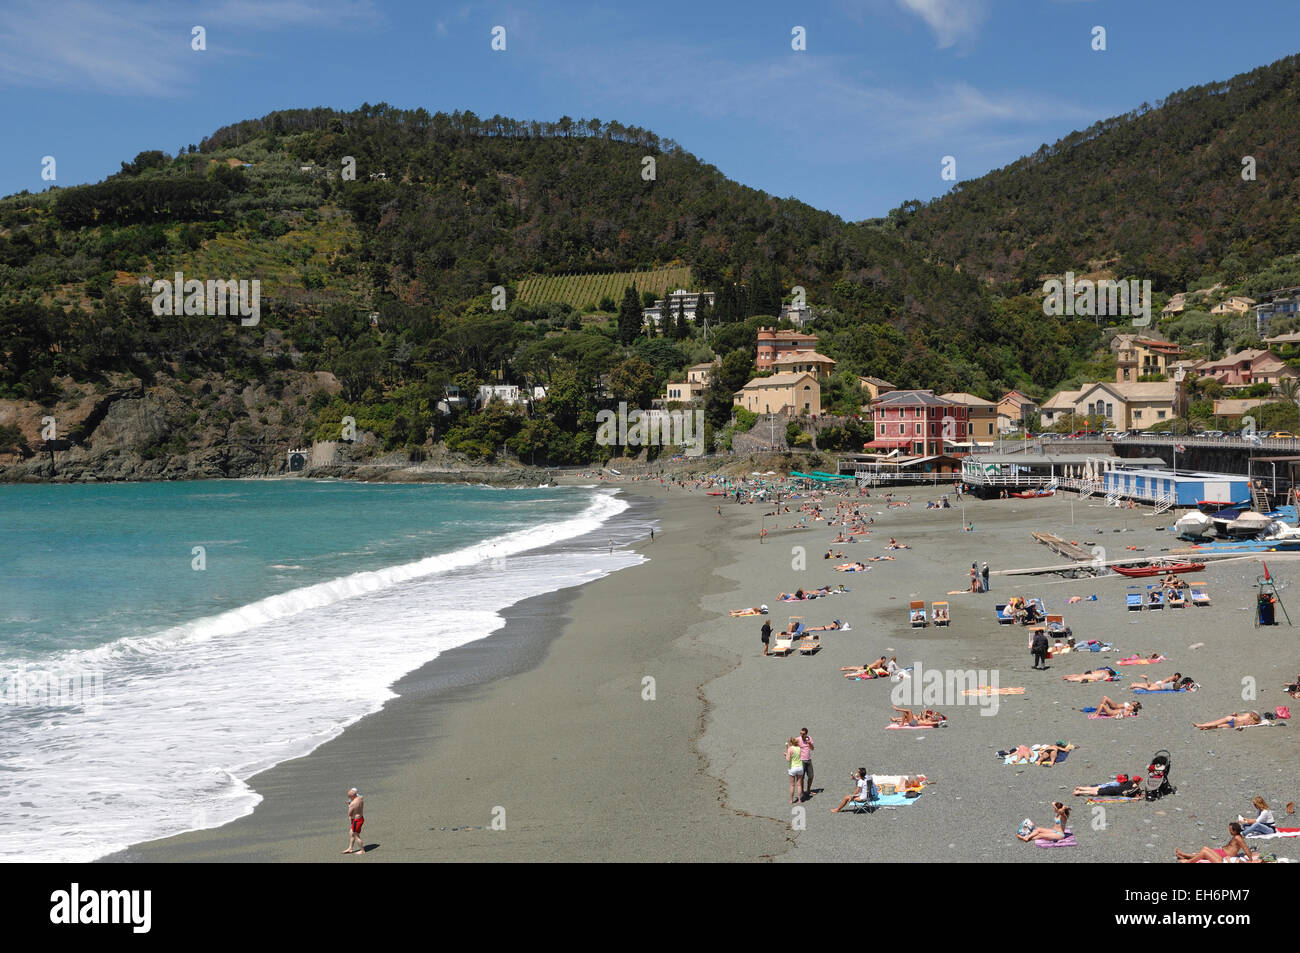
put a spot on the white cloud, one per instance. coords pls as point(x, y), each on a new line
point(951, 20)
point(124, 47)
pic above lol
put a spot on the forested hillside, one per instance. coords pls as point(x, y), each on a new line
point(1157, 193)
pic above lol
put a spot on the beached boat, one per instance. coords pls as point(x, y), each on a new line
point(1194, 525)
point(1157, 569)
point(1249, 523)
point(1033, 494)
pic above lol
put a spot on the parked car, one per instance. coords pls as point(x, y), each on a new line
point(1212, 433)
point(1283, 435)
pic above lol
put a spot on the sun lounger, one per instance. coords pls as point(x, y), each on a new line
point(809, 645)
point(1176, 599)
point(1155, 598)
point(1133, 598)
point(1055, 625)
point(1200, 594)
point(916, 610)
point(939, 613)
point(782, 646)
point(1004, 615)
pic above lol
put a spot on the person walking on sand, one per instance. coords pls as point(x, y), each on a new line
point(356, 818)
point(652, 534)
point(805, 755)
point(1039, 647)
point(984, 573)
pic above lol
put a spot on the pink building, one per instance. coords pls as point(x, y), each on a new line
point(918, 422)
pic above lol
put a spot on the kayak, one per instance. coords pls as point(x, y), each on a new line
point(1157, 570)
point(1032, 494)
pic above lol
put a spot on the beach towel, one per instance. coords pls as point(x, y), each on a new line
point(986, 691)
point(894, 726)
point(1094, 716)
point(1067, 841)
point(1116, 800)
point(1281, 832)
point(1142, 661)
point(1158, 691)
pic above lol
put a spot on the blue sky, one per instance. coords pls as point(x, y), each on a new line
point(857, 123)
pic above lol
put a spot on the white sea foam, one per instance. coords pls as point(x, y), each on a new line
point(187, 715)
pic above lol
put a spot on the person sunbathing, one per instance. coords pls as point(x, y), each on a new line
point(1092, 675)
point(1047, 754)
point(1160, 684)
point(940, 615)
point(851, 567)
point(1122, 786)
point(1110, 708)
point(830, 627)
point(1294, 688)
point(1055, 832)
point(871, 670)
point(1236, 848)
point(1237, 719)
point(1153, 657)
point(1155, 596)
point(928, 718)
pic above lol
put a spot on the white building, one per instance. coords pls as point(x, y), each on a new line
point(689, 300)
point(507, 393)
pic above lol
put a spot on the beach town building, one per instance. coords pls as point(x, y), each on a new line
point(1014, 409)
point(1278, 303)
point(917, 421)
point(805, 362)
point(688, 300)
point(797, 314)
point(1237, 407)
point(1177, 305)
point(1248, 366)
point(506, 393)
point(1137, 357)
point(788, 393)
point(1282, 340)
point(697, 380)
point(1237, 304)
point(1126, 406)
point(981, 417)
point(874, 387)
point(773, 344)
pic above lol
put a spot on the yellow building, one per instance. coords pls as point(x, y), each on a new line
point(981, 417)
point(789, 393)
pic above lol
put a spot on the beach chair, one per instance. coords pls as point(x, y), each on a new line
point(1004, 615)
point(916, 612)
point(939, 613)
point(1155, 597)
point(782, 645)
point(1037, 602)
point(1176, 599)
point(1056, 625)
point(1200, 593)
point(1133, 598)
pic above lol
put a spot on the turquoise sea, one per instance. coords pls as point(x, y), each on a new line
point(162, 642)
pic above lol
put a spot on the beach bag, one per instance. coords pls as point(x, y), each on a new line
point(1283, 711)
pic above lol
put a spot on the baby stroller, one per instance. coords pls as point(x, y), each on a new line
point(1158, 775)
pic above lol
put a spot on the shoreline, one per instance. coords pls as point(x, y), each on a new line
point(548, 659)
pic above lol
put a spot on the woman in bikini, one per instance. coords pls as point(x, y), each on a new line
point(1236, 848)
point(1109, 708)
point(1122, 786)
point(1055, 832)
point(1237, 719)
point(929, 718)
point(1092, 675)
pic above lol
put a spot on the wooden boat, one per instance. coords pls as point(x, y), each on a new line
point(1158, 569)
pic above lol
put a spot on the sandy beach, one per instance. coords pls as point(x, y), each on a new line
point(547, 720)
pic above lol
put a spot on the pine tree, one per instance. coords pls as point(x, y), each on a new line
point(679, 326)
point(629, 315)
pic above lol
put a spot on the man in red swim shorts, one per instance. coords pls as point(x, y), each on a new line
point(356, 817)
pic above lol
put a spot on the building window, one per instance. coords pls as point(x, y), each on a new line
point(1137, 415)
point(1160, 415)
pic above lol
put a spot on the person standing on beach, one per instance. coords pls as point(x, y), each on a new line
point(805, 755)
point(1039, 648)
point(356, 818)
point(765, 634)
point(652, 534)
point(795, 769)
point(984, 572)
